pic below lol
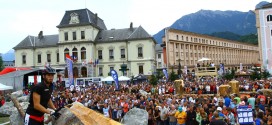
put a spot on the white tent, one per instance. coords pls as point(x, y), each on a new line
point(203, 59)
point(123, 78)
point(109, 78)
point(5, 87)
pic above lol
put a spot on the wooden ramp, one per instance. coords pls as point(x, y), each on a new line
point(90, 117)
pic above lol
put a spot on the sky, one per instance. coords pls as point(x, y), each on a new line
point(21, 18)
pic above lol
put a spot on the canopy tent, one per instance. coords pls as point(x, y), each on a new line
point(109, 78)
point(203, 59)
point(12, 69)
point(140, 78)
point(17, 78)
point(123, 78)
point(5, 87)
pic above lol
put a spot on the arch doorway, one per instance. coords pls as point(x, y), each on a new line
point(84, 71)
point(75, 72)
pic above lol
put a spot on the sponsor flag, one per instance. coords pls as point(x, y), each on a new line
point(115, 78)
point(165, 73)
point(69, 64)
point(241, 67)
point(185, 70)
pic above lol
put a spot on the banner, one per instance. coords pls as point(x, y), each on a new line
point(222, 69)
point(165, 73)
point(69, 64)
point(241, 66)
point(185, 70)
point(245, 115)
point(115, 78)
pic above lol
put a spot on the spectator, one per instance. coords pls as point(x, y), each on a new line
point(217, 120)
point(181, 117)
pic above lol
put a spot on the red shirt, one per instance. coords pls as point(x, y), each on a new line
point(2, 102)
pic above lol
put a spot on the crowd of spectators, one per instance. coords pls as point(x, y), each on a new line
point(164, 107)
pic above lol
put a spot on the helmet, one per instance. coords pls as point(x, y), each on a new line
point(49, 70)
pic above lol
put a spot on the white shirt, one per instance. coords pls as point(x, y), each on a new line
point(208, 88)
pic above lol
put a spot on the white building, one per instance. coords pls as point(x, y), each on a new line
point(264, 28)
point(84, 36)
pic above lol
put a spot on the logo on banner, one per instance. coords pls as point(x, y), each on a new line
point(165, 73)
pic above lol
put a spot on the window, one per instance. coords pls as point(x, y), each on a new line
point(39, 58)
point(159, 56)
point(140, 51)
point(159, 64)
point(24, 59)
point(176, 54)
point(111, 54)
point(66, 52)
point(100, 54)
point(74, 54)
point(111, 68)
point(83, 53)
point(269, 18)
point(48, 57)
point(123, 55)
point(186, 38)
point(100, 71)
point(177, 37)
point(74, 35)
point(82, 34)
point(66, 36)
point(57, 57)
point(141, 70)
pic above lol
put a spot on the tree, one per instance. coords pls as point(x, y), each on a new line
point(153, 80)
point(159, 75)
point(255, 74)
point(265, 74)
point(173, 76)
point(1, 63)
point(230, 75)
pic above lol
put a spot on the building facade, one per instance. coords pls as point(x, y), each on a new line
point(94, 49)
point(264, 24)
point(187, 48)
point(159, 57)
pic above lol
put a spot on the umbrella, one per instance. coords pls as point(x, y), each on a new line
point(203, 59)
point(5, 87)
point(123, 78)
point(109, 78)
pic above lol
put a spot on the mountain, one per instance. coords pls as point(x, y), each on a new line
point(209, 21)
point(9, 56)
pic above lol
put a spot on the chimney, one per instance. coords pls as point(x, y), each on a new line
point(131, 26)
point(95, 18)
point(40, 36)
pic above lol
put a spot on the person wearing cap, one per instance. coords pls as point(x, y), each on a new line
point(221, 115)
point(217, 120)
point(40, 99)
point(181, 116)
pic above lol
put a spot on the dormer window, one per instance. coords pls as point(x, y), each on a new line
point(74, 18)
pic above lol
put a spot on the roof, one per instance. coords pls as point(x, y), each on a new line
point(266, 6)
point(122, 34)
point(158, 47)
point(86, 17)
point(33, 41)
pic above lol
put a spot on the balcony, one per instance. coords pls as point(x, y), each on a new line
point(206, 71)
